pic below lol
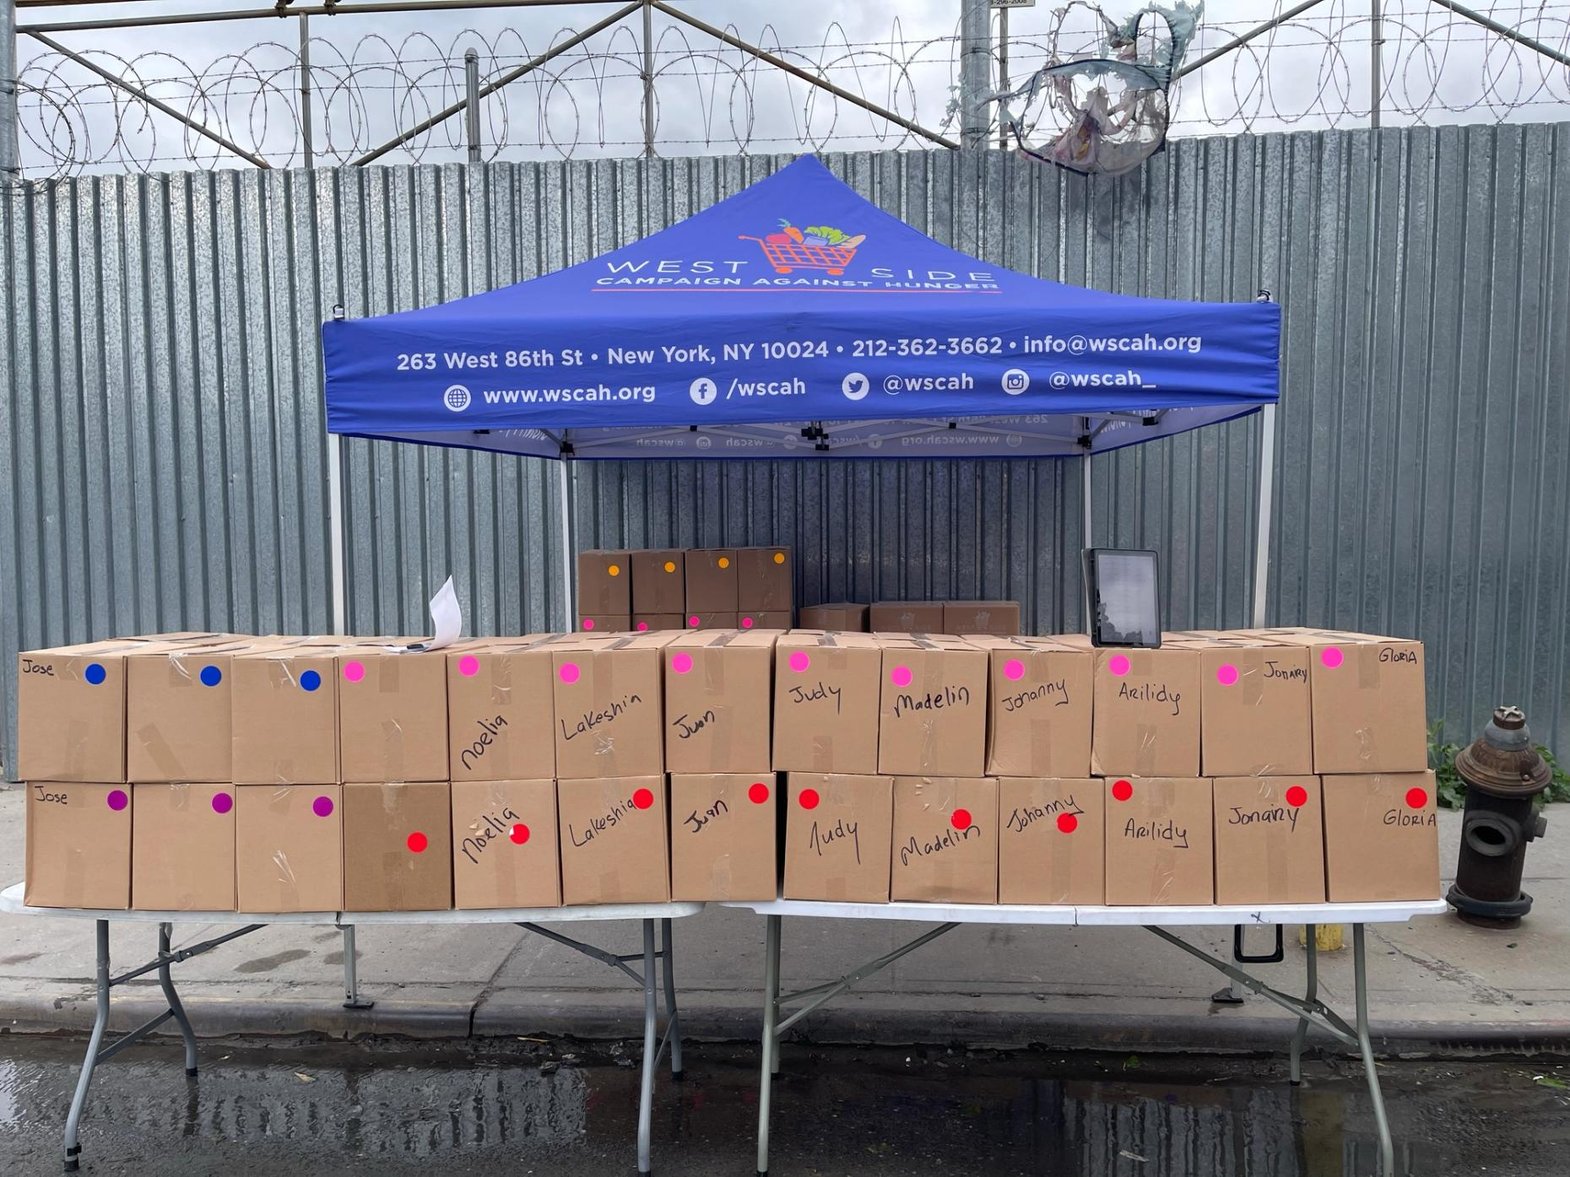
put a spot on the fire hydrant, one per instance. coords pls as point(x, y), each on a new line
point(1503, 774)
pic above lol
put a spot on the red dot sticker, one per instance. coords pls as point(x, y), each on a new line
point(354, 671)
point(418, 842)
point(799, 661)
point(1122, 790)
point(1014, 669)
point(519, 833)
point(1118, 664)
point(643, 798)
point(1331, 657)
point(588, 623)
point(569, 672)
point(1226, 674)
point(1416, 798)
point(468, 666)
point(1068, 823)
point(758, 794)
point(1297, 796)
point(809, 798)
point(222, 802)
point(960, 819)
point(900, 676)
point(681, 663)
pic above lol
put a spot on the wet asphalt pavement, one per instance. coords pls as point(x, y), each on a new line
point(560, 1108)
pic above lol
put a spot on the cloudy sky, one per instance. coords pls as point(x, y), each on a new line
point(374, 75)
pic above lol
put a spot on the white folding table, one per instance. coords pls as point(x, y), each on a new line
point(530, 919)
point(1308, 1008)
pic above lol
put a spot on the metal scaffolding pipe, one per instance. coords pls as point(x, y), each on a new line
point(342, 9)
point(1505, 31)
point(10, 148)
point(975, 71)
point(1243, 39)
point(471, 91)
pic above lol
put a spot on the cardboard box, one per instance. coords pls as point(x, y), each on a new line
point(70, 712)
point(614, 840)
point(945, 840)
point(178, 712)
point(1160, 843)
point(905, 617)
point(1381, 837)
point(501, 710)
point(1146, 713)
point(78, 845)
point(658, 622)
point(285, 716)
point(933, 716)
point(718, 697)
point(999, 618)
point(764, 619)
point(1270, 839)
point(711, 580)
point(1255, 710)
point(839, 837)
point(840, 617)
point(397, 847)
point(659, 581)
point(608, 699)
point(1038, 707)
point(288, 848)
point(1051, 840)
point(504, 844)
point(392, 716)
point(724, 837)
point(604, 583)
point(711, 621)
point(765, 580)
point(604, 622)
point(182, 847)
point(826, 699)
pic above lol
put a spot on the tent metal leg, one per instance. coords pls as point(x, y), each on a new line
point(1310, 996)
point(1387, 1152)
point(351, 973)
point(166, 983)
point(73, 1147)
point(564, 486)
point(1267, 475)
point(770, 1044)
point(672, 1014)
point(650, 1049)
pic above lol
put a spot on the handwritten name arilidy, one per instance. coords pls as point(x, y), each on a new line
point(1158, 831)
point(821, 838)
point(820, 692)
point(947, 840)
point(1056, 690)
point(1025, 816)
point(696, 821)
point(944, 696)
point(594, 719)
point(1152, 693)
point(474, 845)
point(489, 729)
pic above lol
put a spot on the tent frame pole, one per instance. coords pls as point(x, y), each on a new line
point(335, 532)
point(1267, 472)
point(565, 481)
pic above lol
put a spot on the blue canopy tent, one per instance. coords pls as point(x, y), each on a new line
point(798, 319)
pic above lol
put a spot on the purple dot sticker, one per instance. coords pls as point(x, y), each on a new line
point(569, 672)
point(1331, 657)
point(1014, 669)
point(222, 802)
point(468, 666)
point(118, 800)
point(95, 673)
point(799, 661)
point(900, 676)
point(322, 807)
point(211, 676)
point(681, 663)
point(1118, 664)
point(1226, 674)
point(354, 671)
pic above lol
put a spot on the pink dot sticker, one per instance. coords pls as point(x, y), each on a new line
point(569, 672)
point(808, 798)
point(799, 661)
point(1331, 656)
point(1122, 790)
point(1014, 669)
point(354, 671)
point(222, 802)
point(519, 833)
point(960, 819)
point(1297, 796)
point(1067, 823)
point(418, 842)
point(693, 621)
point(642, 626)
point(588, 623)
point(900, 676)
point(322, 807)
point(468, 666)
point(1118, 664)
point(758, 793)
point(1226, 675)
point(643, 798)
point(681, 663)
point(117, 799)
point(746, 623)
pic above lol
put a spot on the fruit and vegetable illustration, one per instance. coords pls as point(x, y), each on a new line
point(817, 247)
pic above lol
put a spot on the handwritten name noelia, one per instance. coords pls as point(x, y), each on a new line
point(474, 845)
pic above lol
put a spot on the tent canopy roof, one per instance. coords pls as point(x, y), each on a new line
point(796, 318)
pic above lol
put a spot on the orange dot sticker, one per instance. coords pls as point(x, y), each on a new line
point(1122, 790)
point(1416, 798)
point(960, 819)
point(643, 798)
point(1068, 823)
point(1297, 796)
point(614, 570)
point(809, 798)
point(418, 842)
point(779, 557)
point(519, 833)
point(670, 566)
point(724, 561)
point(758, 794)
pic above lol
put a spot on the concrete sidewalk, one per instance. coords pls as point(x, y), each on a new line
point(1436, 985)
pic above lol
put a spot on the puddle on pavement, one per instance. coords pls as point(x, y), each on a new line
point(564, 1108)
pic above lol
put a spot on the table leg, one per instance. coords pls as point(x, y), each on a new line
point(166, 983)
point(770, 1045)
point(672, 1014)
point(1310, 995)
point(650, 1046)
point(73, 1148)
point(351, 973)
point(1387, 1152)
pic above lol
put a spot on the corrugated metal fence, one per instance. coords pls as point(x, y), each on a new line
point(165, 465)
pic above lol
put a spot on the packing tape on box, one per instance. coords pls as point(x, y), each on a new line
point(279, 673)
point(151, 737)
point(77, 733)
point(387, 675)
point(1367, 658)
point(500, 678)
point(393, 751)
point(74, 889)
point(1252, 678)
point(1147, 742)
point(178, 675)
point(721, 877)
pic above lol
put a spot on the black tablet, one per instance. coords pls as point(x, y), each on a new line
point(1121, 587)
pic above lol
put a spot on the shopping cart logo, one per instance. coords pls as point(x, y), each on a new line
point(817, 247)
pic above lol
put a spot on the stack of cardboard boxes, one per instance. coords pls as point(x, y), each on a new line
point(218, 773)
point(995, 618)
point(671, 589)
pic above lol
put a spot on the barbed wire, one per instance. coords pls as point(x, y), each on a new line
point(1311, 71)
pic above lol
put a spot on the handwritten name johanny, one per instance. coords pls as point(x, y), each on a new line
point(1056, 690)
point(1025, 816)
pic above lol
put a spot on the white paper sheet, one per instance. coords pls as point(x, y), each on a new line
point(446, 617)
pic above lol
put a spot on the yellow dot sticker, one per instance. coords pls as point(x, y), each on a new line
point(670, 566)
point(779, 557)
point(614, 570)
point(724, 561)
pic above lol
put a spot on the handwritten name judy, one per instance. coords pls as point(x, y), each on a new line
point(820, 692)
point(821, 838)
point(594, 719)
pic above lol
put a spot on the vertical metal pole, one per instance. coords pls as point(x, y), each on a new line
point(335, 532)
point(166, 983)
point(1087, 540)
point(305, 91)
point(351, 973)
point(1310, 995)
point(567, 559)
point(1387, 1152)
point(1003, 73)
point(1267, 475)
point(672, 1014)
point(73, 1119)
point(471, 108)
point(1376, 39)
point(648, 81)
point(10, 157)
point(975, 70)
point(650, 1015)
point(770, 1045)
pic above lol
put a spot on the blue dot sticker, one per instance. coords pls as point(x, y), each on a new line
point(95, 673)
point(310, 680)
point(211, 676)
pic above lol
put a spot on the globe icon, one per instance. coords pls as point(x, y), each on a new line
point(456, 398)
